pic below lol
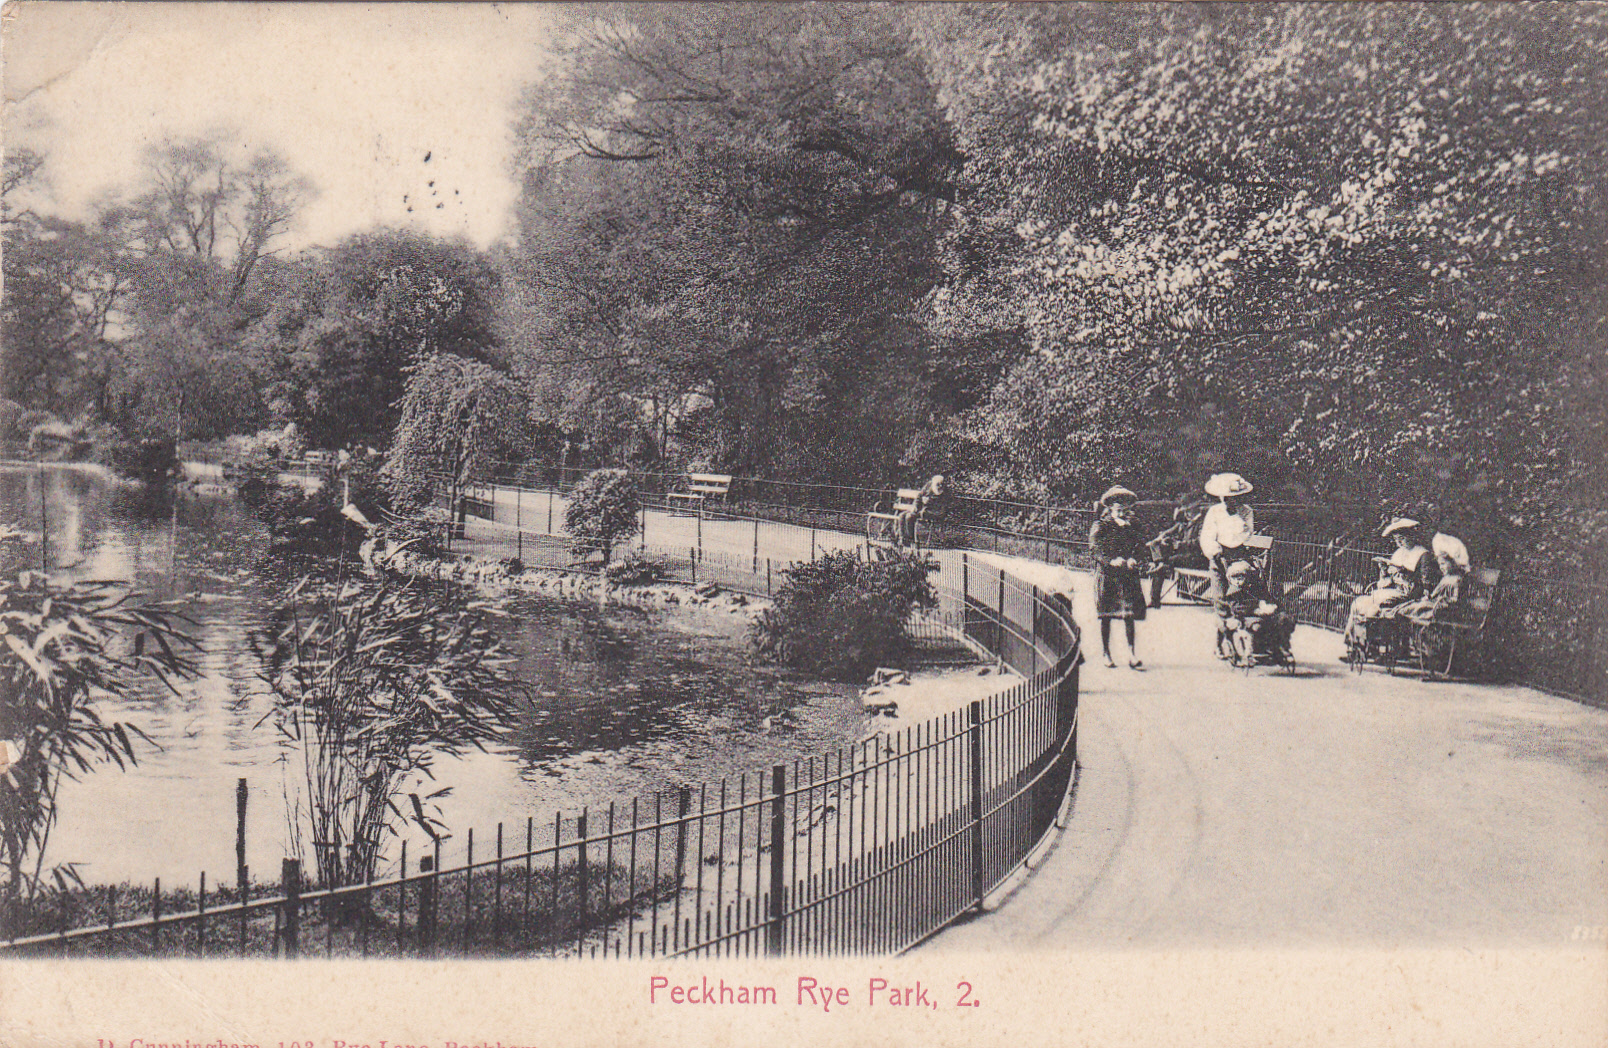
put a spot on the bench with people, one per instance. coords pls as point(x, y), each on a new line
point(896, 521)
point(1426, 605)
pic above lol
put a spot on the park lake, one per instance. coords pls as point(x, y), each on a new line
point(624, 701)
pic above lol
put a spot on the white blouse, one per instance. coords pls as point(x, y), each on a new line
point(1224, 530)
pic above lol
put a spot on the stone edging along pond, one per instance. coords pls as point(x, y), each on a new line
point(493, 577)
point(878, 698)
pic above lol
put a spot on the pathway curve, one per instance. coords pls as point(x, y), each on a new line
point(1221, 808)
point(1322, 809)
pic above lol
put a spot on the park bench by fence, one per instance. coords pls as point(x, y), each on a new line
point(882, 528)
point(700, 488)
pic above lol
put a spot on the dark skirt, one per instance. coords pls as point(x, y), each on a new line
point(1119, 595)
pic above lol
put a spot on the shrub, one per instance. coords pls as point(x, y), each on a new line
point(67, 645)
point(840, 616)
point(603, 511)
point(11, 413)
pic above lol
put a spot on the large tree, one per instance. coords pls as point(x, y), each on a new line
point(1355, 248)
point(338, 336)
point(729, 218)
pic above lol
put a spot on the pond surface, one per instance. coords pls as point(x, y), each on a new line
point(624, 701)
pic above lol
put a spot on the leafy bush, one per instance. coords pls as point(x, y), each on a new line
point(840, 616)
point(11, 413)
point(603, 510)
point(312, 521)
point(634, 570)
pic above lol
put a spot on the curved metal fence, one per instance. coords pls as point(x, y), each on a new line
point(866, 849)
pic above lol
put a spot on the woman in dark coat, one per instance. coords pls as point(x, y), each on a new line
point(1120, 557)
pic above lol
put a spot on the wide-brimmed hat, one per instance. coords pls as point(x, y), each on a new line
point(1239, 567)
point(1228, 485)
point(1117, 493)
point(1399, 524)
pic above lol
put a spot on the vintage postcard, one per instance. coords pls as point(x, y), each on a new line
point(855, 523)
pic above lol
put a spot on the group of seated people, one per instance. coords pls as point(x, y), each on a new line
point(1420, 583)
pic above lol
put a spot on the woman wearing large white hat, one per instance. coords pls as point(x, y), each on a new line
point(1120, 557)
point(1406, 575)
point(1229, 523)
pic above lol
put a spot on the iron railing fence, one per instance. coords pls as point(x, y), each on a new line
point(869, 848)
point(1544, 632)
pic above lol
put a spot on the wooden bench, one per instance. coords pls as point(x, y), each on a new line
point(883, 528)
point(1195, 584)
point(1462, 630)
point(700, 487)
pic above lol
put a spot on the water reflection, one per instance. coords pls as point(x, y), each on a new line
point(624, 701)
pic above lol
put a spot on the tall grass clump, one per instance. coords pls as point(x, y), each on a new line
point(372, 680)
point(63, 647)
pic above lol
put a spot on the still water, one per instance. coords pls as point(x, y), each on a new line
point(624, 701)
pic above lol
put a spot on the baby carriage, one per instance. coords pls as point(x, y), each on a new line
point(1252, 629)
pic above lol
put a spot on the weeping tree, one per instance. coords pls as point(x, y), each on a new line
point(67, 646)
point(372, 681)
point(459, 417)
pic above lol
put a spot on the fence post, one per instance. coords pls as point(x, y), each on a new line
point(683, 805)
point(1328, 587)
point(519, 520)
point(812, 541)
point(692, 555)
point(581, 882)
point(755, 568)
point(976, 733)
point(778, 883)
point(1034, 632)
point(156, 917)
point(240, 836)
point(290, 876)
point(643, 544)
point(427, 906)
point(549, 511)
point(767, 576)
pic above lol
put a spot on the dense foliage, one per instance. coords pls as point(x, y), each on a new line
point(152, 461)
point(841, 616)
point(1353, 251)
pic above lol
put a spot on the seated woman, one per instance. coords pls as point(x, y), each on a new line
point(1408, 574)
point(1177, 547)
point(1251, 618)
point(1453, 560)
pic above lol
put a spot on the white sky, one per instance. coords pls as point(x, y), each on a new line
point(353, 95)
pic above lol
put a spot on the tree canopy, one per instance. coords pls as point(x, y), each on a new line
point(1353, 251)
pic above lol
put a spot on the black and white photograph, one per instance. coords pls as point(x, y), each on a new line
point(870, 523)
